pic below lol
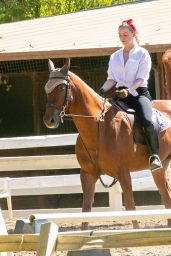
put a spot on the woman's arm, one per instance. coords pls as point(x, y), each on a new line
point(108, 85)
point(136, 84)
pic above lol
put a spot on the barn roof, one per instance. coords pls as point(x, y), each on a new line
point(86, 33)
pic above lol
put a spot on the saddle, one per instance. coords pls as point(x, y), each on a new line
point(133, 119)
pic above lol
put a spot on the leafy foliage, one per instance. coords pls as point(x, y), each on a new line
point(15, 10)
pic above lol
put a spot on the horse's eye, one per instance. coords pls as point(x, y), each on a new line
point(61, 87)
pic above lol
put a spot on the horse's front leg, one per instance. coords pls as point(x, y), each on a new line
point(88, 186)
point(126, 185)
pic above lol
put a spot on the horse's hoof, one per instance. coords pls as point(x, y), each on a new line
point(169, 223)
point(135, 224)
point(84, 226)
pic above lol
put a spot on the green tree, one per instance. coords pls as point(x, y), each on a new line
point(15, 10)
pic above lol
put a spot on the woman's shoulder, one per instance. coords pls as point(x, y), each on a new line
point(141, 50)
point(116, 53)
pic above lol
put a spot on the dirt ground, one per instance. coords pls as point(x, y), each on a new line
point(136, 251)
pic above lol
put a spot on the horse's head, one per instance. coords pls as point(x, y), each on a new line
point(58, 92)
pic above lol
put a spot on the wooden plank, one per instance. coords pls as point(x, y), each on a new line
point(88, 240)
point(38, 141)
point(55, 184)
point(27, 212)
point(62, 184)
point(115, 240)
point(43, 162)
point(18, 214)
point(48, 240)
point(105, 216)
point(104, 51)
point(17, 243)
point(101, 233)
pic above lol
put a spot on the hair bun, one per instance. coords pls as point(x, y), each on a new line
point(130, 23)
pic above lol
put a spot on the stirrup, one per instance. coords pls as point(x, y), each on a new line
point(155, 163)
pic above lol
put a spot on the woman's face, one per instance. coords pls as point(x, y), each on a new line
point(126, 36)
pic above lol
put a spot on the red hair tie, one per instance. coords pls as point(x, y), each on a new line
point(129, 22)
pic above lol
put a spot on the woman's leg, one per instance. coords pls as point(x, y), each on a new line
point(143, 108)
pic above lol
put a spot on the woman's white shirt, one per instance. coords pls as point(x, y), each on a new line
point(138, 66)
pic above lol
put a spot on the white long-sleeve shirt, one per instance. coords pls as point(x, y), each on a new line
point(138, 66)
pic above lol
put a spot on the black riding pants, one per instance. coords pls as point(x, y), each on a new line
point(142, 105)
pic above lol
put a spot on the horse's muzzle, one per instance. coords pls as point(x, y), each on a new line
point(52, 121)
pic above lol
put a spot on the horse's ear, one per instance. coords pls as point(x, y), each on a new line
point(51, 65)
point(64, 70)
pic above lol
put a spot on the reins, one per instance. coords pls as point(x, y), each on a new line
point(99, 119)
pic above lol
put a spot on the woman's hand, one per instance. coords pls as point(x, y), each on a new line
point(101, 91)
point(122, 93)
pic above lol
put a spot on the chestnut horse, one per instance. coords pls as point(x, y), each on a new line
point(166, 59)
point(103, 147)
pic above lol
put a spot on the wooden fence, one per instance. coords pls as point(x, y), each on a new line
point(50, 240)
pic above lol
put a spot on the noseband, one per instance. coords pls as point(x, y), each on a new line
point(68, 95)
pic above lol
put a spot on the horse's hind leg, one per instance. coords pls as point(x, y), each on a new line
point(126, 185)
point(162, 182)
point(88, 186)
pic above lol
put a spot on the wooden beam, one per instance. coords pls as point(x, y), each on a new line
point(55, 184)
point(160, 75)
point(38, 141)
point(107, 216)
point(157, 81)
point(47, 240)
point(18, 243)
point(88, 240)
point(36, 103)
point(6, 56)
point(19, 214)
point(115, 240)
point(43, 162)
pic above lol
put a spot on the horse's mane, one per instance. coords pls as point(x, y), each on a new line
point(78, 81)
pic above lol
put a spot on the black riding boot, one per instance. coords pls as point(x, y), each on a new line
point(153, 145)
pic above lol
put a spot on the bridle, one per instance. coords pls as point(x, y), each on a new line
point(68, 95)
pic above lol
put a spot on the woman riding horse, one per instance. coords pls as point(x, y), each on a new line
point(128, 71)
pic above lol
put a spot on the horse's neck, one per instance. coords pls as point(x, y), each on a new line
point(85, 100)
point(85, 109)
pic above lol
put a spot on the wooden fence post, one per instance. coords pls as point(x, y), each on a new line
point(3, 231)
point(48, 239)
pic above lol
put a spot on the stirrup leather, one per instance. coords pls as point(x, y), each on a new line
point(155, 163)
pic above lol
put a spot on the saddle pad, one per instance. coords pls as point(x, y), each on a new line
point(162, 122)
